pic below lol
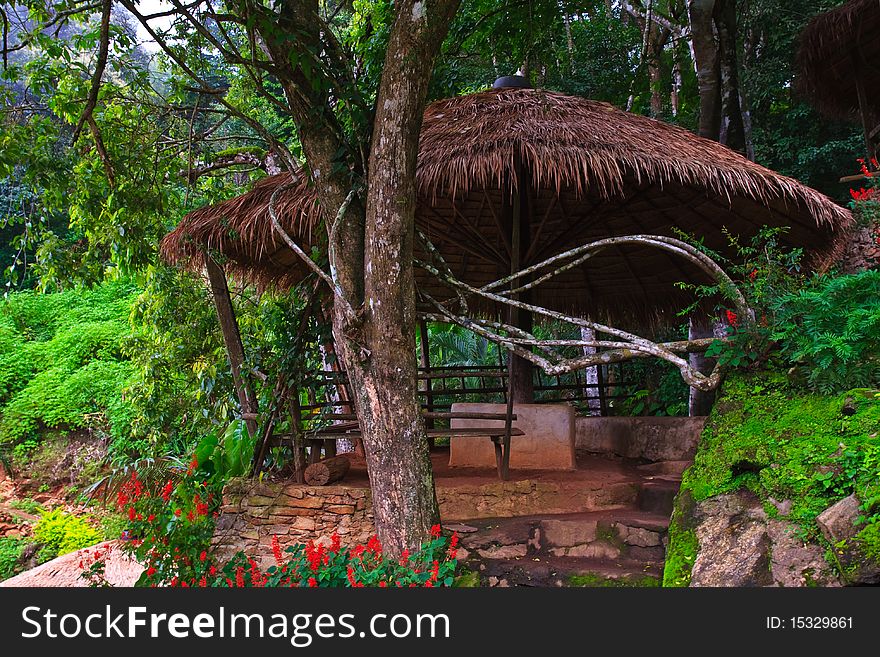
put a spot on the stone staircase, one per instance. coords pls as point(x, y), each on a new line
point(619, 543)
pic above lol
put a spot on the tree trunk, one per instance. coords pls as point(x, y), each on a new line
point(707, 63)
point(380, 353)
point(232, 339)
point(732, 132)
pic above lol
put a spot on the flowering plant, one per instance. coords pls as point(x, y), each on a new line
point(316, 565)
point(865, 202)
point(170, 529)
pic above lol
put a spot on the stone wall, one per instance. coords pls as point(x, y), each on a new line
point(253, 512)
point(649, 438)
point(862, 251)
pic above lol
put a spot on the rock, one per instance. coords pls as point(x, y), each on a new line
point(837, 522)
point(794, 562)
point(783, 507)
point(734, 543)
point(460, 528)
point(568, 533)
point(638, 536)
point(503, 551)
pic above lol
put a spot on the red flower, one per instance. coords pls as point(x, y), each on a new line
point(862, 194)
point(151, 517)
point(350, 575)
point(203, 556)
point(453, 541)
point(404, 557)
point(132, 514)
point(212, 570)
point(190, 516)
point(429, 584)
point(753, 274)
point(732, 318)
point(239, 577)
point(177, 512)
point(203, 582)
point(435, 531)
point(383, 584)
point(193, 465)
point(313, 583)
point(373, 545)
point(276, 550)
point(335, 543)
point(166, 491)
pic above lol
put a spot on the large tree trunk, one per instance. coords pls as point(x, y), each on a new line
point(732, 131)
point(372, 245)
point(707, 62)
point(380, 355)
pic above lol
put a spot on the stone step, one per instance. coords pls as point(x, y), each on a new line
point(674, 468)
point(625, 533)
point(569, 572)
point(657, 495)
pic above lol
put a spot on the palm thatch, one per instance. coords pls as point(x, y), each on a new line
point(582, 170)
point(237, 233)
point(836, 49)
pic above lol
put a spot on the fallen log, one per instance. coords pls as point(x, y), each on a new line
point(327, 471)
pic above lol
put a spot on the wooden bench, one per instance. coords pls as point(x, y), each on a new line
point(350, 429)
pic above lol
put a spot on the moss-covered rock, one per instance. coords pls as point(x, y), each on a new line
point(797, 452)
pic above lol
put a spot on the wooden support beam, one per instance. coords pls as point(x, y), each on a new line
point(232, 339)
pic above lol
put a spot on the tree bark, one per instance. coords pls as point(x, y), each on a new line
point(379, 356)
point(371, 243)
point(732, 131)
point(232, 339)
point(706, 60)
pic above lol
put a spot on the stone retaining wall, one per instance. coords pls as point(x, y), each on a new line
point(253, 512)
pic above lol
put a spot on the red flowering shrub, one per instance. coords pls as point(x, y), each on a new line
point(316, 565)
point(169, 528)
point(170, 533)
point(866, 200)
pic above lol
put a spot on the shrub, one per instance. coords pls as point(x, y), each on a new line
point(60, 532)
point(832, 328)
point(171, 526)
point(10, 555)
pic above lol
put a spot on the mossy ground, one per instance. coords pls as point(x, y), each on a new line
point(597, 580)
point(769, 436)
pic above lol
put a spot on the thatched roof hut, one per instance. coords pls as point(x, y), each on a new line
point(839, 52)
point(578, 170)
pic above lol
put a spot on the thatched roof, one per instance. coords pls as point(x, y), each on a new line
point(591, 171)
point(238, 233)
point(837, 48)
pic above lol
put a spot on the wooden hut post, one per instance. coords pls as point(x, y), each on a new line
point(520, 371)
point(700, 403)
point(232, 339)
point(425, 363)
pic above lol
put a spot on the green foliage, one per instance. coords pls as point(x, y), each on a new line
point(61, 361)
point(60, 532)
point(832, 328)
point(10, 556)
point(769, 436)
point(658, 390)
point(228, 455)
point(26, 504)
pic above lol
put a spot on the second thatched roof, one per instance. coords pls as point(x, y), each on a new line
point(836, 49)
point(587, 170)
